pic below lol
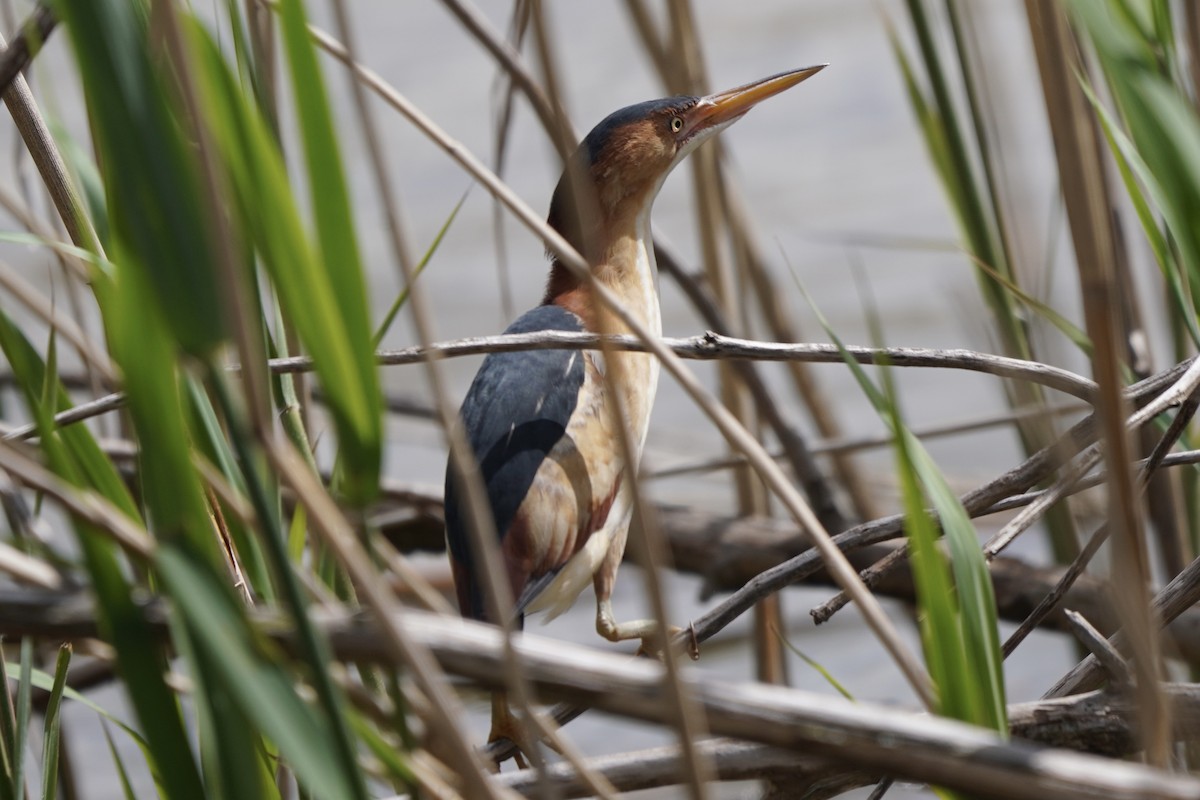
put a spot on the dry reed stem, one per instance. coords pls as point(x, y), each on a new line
point(1112, 661)
point(1180, 594)
point(1035, 511)
point(475, 23)
point(84, 504)
point(1081, 174)
point(728, 552)
point(682, 71)
point(49, 162)
point(1095, 721)
point(29, 40)
point(24, 568)
point(74, 266)
point(1052, 598)
point(1146, 473)
point(782, 328)
point(27, 295)
point(46, 157)
point(1182, 379)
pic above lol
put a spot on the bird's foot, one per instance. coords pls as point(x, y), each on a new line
point(650, 646)
point(647, 630)
point(506, 727)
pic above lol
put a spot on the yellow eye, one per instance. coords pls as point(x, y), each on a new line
point(676, 124)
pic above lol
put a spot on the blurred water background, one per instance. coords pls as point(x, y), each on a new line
point(837, 180)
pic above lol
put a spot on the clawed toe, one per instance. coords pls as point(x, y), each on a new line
point(649, 647)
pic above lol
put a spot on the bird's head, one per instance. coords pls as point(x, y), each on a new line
point(617, 170)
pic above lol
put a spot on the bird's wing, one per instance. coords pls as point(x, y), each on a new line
point(516, 411)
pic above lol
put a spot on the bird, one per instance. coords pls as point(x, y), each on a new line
point(540, 423)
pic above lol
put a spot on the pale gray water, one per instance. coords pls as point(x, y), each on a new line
point(839, 157)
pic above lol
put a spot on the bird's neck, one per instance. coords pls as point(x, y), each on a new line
point(626, 267)
point(628, 270)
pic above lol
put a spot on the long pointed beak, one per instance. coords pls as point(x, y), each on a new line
point(727, 106)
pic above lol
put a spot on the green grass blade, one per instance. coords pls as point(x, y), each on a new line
point(1076, 335)
point(330, 317)
point(1161, 123)
point(119, 763)
point(142, 665)
point(402, 298)
point(209, 439)
point(1142, 188)
point(8, 735)
point(976, 600)
point(140, 341)
point(45, 681)
point(312, 645)
point(361, 400)
point(149, 165)
point(960, 631)
point(24, 701)
point(249, 675)
point(393, 759)
point(816, 665)
point(946, 142)
point(74, 455)
point(80, 163)
point(230, 745)
point(77, 456)
point(52, 725)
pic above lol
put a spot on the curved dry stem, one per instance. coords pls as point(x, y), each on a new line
point(26, 569)
point(26, 294)
point(85, 505)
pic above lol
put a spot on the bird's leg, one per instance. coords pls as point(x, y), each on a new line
point(604, 581)
point(609, 628)
point(644, 629)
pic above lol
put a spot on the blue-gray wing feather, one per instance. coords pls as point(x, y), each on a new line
point(516, 410)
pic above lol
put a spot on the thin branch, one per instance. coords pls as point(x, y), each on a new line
point(706, 347)
point(713, 346)
point(1157, 458)
point(1052, 598)
point(1180, 594)
point(729, 759)
point(1073, 473)
point(1098, 646)
point(25, 568)
point(33, 299)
